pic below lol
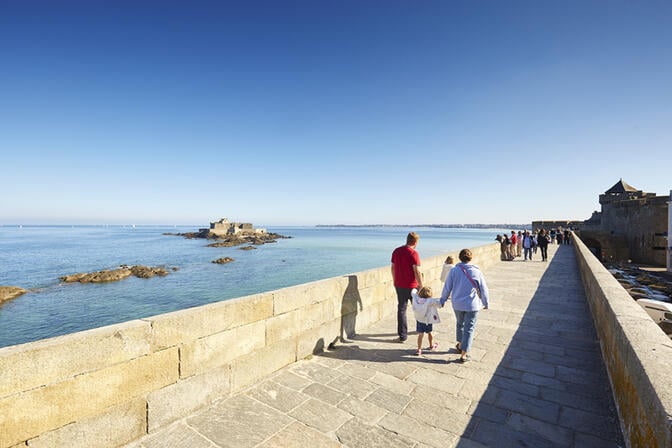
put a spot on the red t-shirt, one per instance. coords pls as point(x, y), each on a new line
point(514, 239)
point(403, 259)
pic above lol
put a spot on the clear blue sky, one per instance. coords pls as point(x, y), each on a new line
point(285, 112)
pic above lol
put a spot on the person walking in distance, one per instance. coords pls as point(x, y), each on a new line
point(406, 276)
point(468, 291)
point(514, 244)
point(542, 241)
point(527, 245)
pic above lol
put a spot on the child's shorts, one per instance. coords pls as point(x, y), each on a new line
point(423, 328)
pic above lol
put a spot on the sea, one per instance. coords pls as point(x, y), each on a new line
point(35, 257)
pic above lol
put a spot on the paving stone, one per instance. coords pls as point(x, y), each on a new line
point(298, 435)
point(416, 430)
point(288, 379)
point(596, 405)
point(489, 412)
point(278, 396)
point(534, 407)
point(314, 371)
point(324, 393)
point(475, 391)
point(509, 373)
point(363, 410)
point(438, 380)
point(400, 370)
point(356, 434)
point(389, 400)
point(529, 365)
point(320, 415)
point(578, 359)
point(543, 382)
point(516, 386)
point(329, 361)
point(495, 435)
point(357, 371)
point(468, 443)
point(589, 440)
point(578, 376)
point(177, 434)
point(429, 395)
point(551, 432)
point(607, 428)
point(353, 386)
point(392, 383)
point(238, 422)
point(450, 420)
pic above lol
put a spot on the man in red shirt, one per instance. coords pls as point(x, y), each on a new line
point(406, 276)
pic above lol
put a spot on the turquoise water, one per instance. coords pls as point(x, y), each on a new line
point(34, 257)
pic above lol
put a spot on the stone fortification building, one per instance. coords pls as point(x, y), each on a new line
point(223, 227)
point(632, 225)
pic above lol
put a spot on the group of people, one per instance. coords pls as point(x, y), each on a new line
point(525, 243)
point(463, 284)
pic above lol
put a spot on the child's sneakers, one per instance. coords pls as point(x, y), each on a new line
point(434, 347)
point(418, 352)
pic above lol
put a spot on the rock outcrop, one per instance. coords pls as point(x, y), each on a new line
point(113, 275)
point(10, 292)
point(642, 284)
point(223, 260)
point(256, 239)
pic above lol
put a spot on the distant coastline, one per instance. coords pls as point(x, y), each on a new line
point(438, 226)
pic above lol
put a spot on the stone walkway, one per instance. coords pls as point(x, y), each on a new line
point(536, 380)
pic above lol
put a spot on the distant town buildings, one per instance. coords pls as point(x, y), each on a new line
point(224, 227)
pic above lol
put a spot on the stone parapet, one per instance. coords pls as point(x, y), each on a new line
point(107, 386)
point(637, 354)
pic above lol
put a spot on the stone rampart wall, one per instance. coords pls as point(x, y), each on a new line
point(111, 385)
point(637, 354)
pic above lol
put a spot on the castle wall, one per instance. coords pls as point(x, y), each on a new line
point(548, 225)
point(669, 234)
point(643, 224)
point(111, 385)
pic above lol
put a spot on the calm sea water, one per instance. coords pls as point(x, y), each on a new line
point(34, 257)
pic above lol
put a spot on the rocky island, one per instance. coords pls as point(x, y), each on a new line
point(112, 275)
point(230, 234)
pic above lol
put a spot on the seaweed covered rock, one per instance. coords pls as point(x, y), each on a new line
point(10, 292)
point(113, 275)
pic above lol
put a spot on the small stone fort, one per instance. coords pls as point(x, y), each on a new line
point(631, 226)
point(223, 227)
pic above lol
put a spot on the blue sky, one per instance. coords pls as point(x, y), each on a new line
point(299, 113)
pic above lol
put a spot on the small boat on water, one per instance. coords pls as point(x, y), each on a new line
point(660, 312)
